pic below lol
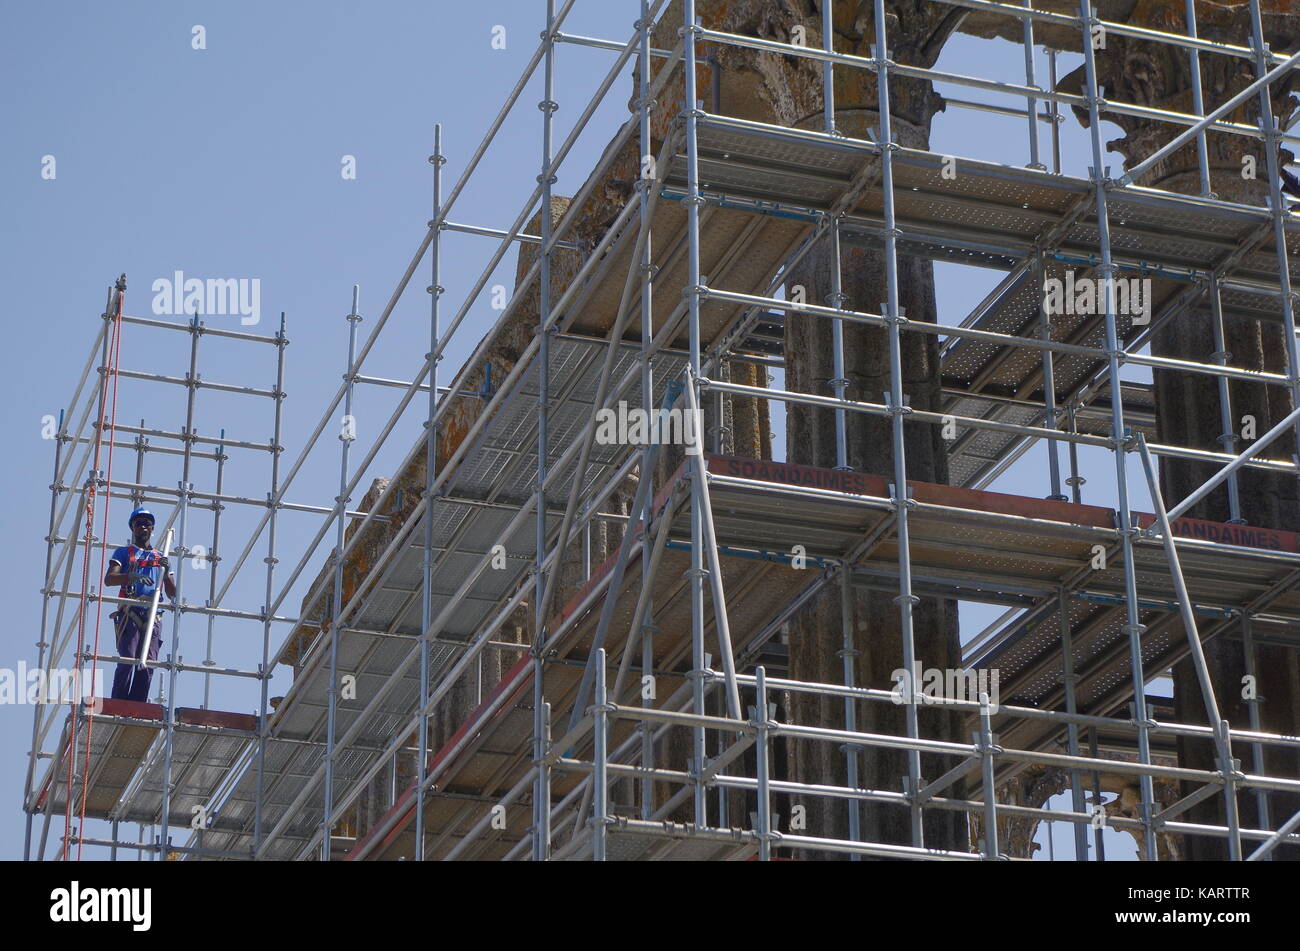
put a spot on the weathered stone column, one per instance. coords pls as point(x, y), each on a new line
point(1188, 404)
point(789, 91)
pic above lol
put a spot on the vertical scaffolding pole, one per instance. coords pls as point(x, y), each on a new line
point(1053, 110)
point(586, 551)
point(984, 740)
point(722, 628)
point(719, 429)
point(1222, 738)
point(1031, 104)
point(848, 653)
point(1263, 821)
point(1049, 375)
point(1071, 728)
point(182, 550)
point(645, 183)
point(1119, 434)
point(693, 200)
point(828, 69)
point(600, 777)
point(1272, 135)
point(764, 803)
point(897, 409)
point(1228, 439)
point(263, 670)
point(839, 382)
point(141, 446)
point(1098, 841)
point(93, 480)
point(542, 783)
point(41, 642)
point(212, 561)
point(430, 475)
point(1198, 102)
point(347, 433)
point(1075, 481)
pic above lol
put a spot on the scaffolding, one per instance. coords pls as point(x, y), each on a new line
point(698, 592)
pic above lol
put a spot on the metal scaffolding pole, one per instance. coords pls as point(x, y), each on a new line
point(41, 644)
point(1198, 103)
point(542, 781)
point(1228, 438)
point(1228, 767)
point(897, 409)
point(839, 382)
point(182, 550)
point(762, 722)
point(431, 472)
point(985, 744)
point(1236, 462)
point(1069, 679)
point(690, 109)
point(480, 639)
point(600, 778)
point(211, 561)
point(1075, 481)
point(722, 627)
point(1031, 103)
point(643, 621)
point(1119, 434)
point(1253, 703)
point(1049, 375)
point(94, 479)
point(141, 444)
point(1266, 849)
point(264, 668)
point(848, 655)
point(347, 433)
point(1277, 202)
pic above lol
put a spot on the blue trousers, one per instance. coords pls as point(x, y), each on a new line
point(129, 681)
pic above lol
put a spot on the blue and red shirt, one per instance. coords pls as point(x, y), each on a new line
point(145, 561)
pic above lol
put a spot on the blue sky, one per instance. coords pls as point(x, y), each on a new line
point(225, 162)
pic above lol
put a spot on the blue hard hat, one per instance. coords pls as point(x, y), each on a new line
point(130, 522)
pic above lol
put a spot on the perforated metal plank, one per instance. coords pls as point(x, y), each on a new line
point(119, 740)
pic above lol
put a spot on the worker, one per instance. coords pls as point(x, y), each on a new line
point(138, 568)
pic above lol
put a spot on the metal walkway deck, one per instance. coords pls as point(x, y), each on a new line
point(992, 545)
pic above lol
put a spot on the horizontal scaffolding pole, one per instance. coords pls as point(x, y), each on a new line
point(1018, 429)
point(521, 237)
point(205, 330)
point(198, 384)
point(92, 598)
point(193, 438)
point(1008, 340)
point(1196, 123)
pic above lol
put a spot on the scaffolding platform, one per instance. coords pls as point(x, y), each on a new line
point(985, 545)
point(125, 761)
point(376, 647)
point(404, 608)
point(986, 213)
